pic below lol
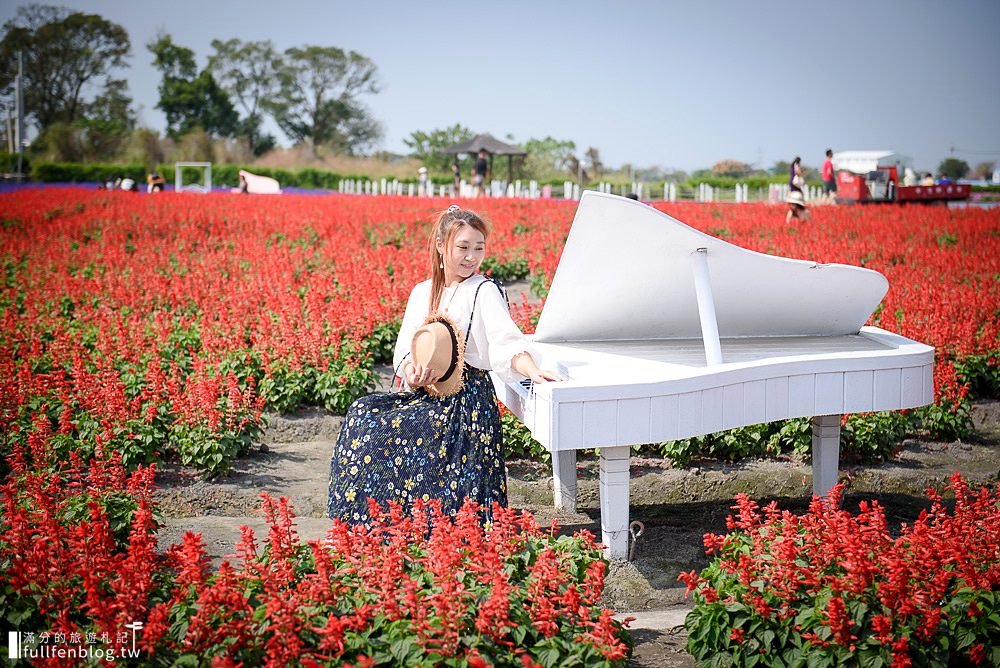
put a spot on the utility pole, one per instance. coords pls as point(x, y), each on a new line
point(19, 128)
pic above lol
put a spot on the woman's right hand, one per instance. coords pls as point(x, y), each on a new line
point(418, 376)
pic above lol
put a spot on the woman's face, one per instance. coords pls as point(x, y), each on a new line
point(468, 248)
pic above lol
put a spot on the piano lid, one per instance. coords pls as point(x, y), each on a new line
point(627, 273)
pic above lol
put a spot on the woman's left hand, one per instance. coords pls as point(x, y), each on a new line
point(544, 376)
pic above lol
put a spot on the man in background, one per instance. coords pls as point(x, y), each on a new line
point(481, 173)
point(829, 182)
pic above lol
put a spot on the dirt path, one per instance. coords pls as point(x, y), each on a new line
point(677, 506)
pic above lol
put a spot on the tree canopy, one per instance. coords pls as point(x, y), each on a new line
point(953, 168)
point(248, 73)
point(427, 146)
point(318, 98)
point(190, 99)
point(66, 56)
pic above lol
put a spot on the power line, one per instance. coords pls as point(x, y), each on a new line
point(955, 149)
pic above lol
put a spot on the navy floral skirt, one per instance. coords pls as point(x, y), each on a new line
point(410, 445)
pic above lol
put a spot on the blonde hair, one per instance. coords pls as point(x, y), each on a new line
point(448, 224)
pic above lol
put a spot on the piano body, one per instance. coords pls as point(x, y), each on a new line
point(666, 333)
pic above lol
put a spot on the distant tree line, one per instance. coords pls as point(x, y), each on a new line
point(83, 110)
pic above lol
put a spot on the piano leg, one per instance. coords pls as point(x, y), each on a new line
point(825, 453)
point(614, 500)
point(564, 479)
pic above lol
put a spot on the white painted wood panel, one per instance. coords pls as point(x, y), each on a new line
point(858, 390)
point(663, 418)
point(600, 423)
point(733, 409)
point(913, 386)
point(689, 414)
point(570, 425)
point(887, 389)
point(776, 398)
point(929, 383)
point(753, 401)
point(633, 421)
point(829, 393)
point(802, 395)
point(711, 410)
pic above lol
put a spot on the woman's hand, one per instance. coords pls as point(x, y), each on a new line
point(419, 376)
point(544, 376)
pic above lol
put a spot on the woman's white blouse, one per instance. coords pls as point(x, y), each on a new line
point(494, 338)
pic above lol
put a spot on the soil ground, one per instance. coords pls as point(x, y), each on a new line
point(677, 506)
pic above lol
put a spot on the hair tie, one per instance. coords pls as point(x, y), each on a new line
point(453, 208)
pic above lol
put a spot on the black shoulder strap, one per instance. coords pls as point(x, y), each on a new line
point(503, 293)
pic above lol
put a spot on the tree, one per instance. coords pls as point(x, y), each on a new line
point(594, 161)
point(190, 99)
point(248, 72)
point(953, 168)
point(549, 158)
point(66, 54)
point(427, 146)
point(983, 170)
point(733, 168)
point(781, 168)
point(318, 101)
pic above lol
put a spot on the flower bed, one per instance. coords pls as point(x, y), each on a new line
point(77, 549)
point(833, 589)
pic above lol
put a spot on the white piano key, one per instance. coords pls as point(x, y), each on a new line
point(912, 387)
point(600, 423)
point(829, 394)
point(801, 395)
point(689, 414)
point(663, 418)
point(753, 401)
point(633, 421)
point(776, 398)
point(569, 426)
point(887, 390)
point(711, 409)
point(858, 391)
point(732, 406)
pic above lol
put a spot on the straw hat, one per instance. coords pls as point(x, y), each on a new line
point(795, 197)
point(439, 345)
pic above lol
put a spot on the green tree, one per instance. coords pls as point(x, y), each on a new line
point(427, 146)
point(549, 158)
point(248, 72)
point(953, 168)
point(190, 99)
point(318, 100)
point(65, 54)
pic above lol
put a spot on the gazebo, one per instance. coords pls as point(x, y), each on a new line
point(491, 145)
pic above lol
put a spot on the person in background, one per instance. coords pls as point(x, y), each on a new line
point(829, 182)
point(481, 173)
point(422, 181)
point(795, 178)
point(796, 207)
point(928, 180)
point(155, 183)
point(456, 178)
point(243, 187)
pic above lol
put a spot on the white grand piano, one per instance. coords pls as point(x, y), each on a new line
point(665, 333)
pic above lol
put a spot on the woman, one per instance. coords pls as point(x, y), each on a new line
point(414, 445)
point(795, 178)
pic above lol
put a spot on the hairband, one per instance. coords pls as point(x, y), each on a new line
point(453, 208)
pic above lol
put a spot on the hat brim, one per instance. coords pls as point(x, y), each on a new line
point(452, 378)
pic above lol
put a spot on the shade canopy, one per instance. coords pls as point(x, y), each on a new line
point(485, 141)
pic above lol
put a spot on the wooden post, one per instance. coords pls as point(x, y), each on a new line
point(614, 500)
point(825, 453)
point(564, 479)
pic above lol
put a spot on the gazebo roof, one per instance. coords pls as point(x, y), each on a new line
point(484, 141)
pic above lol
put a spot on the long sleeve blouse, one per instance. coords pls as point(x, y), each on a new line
point(493, 339)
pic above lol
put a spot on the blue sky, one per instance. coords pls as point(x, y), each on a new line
point(675, 84)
